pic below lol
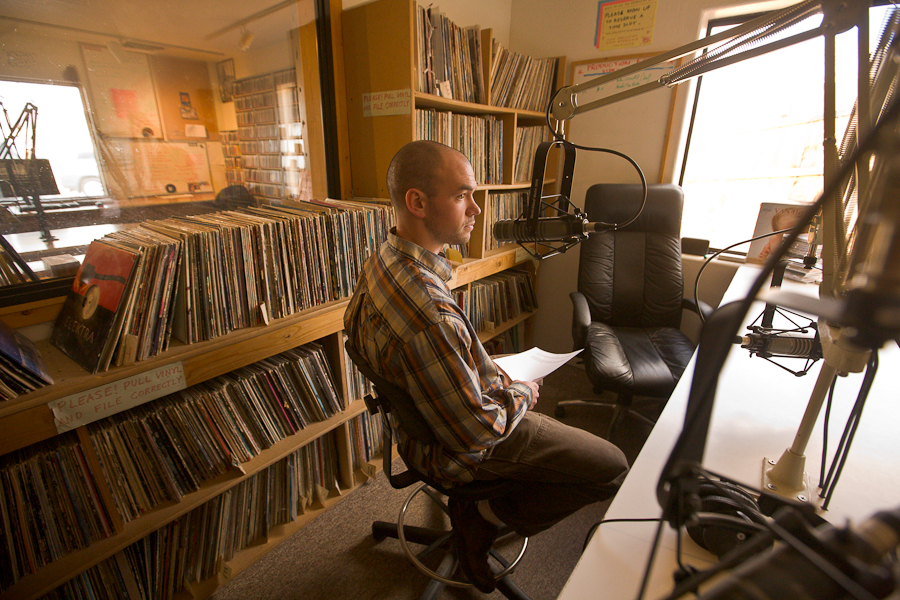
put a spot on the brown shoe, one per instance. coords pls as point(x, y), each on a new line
point(474, 537)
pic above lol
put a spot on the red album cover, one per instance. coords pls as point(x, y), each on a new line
point(86, 328)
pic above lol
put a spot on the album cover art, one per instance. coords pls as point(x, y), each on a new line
point(774, 218)
point(88, 325)
point(22, 368)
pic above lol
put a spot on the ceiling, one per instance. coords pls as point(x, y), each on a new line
point(203, 29)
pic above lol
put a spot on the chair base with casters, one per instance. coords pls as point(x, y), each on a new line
point(622, 408)
point(438, 543)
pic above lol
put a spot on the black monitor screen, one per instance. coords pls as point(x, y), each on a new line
point(29, 177)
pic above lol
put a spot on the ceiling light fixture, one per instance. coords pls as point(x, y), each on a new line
point(118, 52)
point(246, 40)
point(246, 20)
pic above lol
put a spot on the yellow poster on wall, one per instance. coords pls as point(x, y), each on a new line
point(625, 23)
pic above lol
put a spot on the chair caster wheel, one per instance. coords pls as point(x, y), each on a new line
point(559, 412)
point(378, 533)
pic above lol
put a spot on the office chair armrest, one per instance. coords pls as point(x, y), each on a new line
point(581, 319)
point(697, 306)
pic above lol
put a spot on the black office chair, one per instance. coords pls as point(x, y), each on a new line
point(391, 399)
point(628, 307)
point(234, 197)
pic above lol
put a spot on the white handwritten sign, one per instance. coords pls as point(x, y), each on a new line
point(583, 71)
point(92, 405)
point(625, 23)
point(395, 102)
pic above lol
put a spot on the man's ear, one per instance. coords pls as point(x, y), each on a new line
point(415, 202)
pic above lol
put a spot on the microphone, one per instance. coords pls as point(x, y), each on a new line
point(837, 564)
point(783, 345)
point(545, 229)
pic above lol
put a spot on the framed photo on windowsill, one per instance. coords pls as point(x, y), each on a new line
point(225, 73)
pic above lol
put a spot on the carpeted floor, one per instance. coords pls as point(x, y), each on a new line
point(335, 556)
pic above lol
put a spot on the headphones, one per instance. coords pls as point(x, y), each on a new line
point(727, 516)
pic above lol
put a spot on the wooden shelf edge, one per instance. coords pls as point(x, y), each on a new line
point(473, 269)
point(505, 326)
point(51, 576)
point(425, 100)
point(247, 556)
point(202, 360)
point(512, 187)
point(356, 408)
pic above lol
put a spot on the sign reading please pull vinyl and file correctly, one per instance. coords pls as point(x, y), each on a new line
point(108, 399)
point(380, 104)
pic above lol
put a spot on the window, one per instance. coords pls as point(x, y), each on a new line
point(62, 135)
point(756, 134)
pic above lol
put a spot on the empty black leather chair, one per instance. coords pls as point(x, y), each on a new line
point(628, 307)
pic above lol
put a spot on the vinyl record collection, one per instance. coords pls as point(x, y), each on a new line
point(451, 64)
point(161, 451)
point(50, 506)
point(175, 443)
point(479, 137)
point(520, 81)
point(527, 141)
point(508, 342)
point(365, 439)
point(22, 368)
point(198, 545)
point(502, 205)
point(449, 57)
point(197, 278)
point(357, 385)
point(499, 298)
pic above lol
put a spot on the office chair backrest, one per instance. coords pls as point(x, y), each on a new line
point(390, 399)
point(632, 277)
point(394, 399)
point(234, 196)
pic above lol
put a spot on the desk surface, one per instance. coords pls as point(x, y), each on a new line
point(757, 410)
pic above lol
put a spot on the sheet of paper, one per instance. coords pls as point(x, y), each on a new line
point(533, 364)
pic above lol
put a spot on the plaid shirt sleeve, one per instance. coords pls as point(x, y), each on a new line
point(459, 390)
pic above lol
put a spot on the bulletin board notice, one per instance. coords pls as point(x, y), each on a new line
point(585, 70)
point(124, 103)
point(154, 167)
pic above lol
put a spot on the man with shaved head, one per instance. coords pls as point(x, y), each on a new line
point(403, 320)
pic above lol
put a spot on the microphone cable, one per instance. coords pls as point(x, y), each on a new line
point(723, 250)
point(843, 450)
point(559, 137)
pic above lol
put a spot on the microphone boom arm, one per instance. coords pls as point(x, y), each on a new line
point(838, 16)
point(536, 204)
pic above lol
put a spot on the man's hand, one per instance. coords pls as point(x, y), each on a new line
point(534, 392)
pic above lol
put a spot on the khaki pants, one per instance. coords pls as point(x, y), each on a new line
point(560, 468)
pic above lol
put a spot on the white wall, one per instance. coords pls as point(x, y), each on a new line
point(636, 127)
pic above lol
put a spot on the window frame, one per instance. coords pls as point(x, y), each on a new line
point(691, 116)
